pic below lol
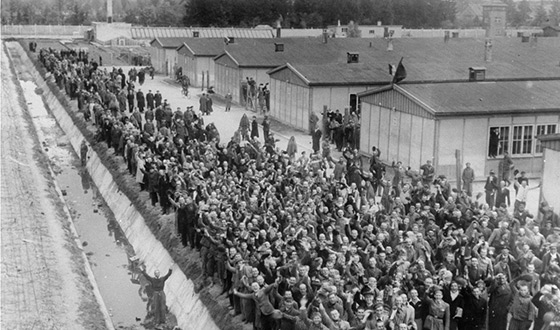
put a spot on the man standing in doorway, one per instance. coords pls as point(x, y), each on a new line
point(468, 179)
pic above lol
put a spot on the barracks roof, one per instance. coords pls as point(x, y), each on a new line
point(479, 98)
point(202, 47)
point(203, 32)
point(425, 59)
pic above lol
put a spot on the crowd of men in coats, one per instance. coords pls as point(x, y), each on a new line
point(294, 246)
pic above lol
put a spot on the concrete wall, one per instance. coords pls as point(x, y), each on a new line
point(182, 299)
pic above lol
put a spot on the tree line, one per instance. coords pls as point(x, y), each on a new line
point(319, 13)
point(250, 13)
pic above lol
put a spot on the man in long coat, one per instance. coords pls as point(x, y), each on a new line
point(140, 100)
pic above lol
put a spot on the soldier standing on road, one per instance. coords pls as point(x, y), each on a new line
point(254, 128)
point(157, 99)
point(150, 100)
point(140, 100)
point(229, 98)
point(468, 178)
point(266, 126)
point(202, 103)
point(130, 99)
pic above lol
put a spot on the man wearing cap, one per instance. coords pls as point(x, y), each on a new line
point(402, 313)
point(500, 297)
point(427, 171)
point(551, 256)
point(490, 188)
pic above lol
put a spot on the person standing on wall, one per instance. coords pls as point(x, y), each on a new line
point(468, 179)
point(157, 301)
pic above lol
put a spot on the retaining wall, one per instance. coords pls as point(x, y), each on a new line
point(182, 300)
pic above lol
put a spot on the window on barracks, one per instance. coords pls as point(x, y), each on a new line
point(522, 141)
point(542, 130)
point(499, 141)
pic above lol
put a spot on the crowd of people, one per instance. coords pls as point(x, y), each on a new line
point(296, 245)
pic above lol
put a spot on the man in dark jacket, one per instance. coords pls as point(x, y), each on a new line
point(491, 187)
point(150, 100)
point(157, 99)
point(254, 128)
point(140, 100)
point(130, 98)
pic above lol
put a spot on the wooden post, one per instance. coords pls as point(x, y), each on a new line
point(459, 167)
point(325, 122)
point(202, 85)
point(207, 79)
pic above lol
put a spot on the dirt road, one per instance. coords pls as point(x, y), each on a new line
point(44, 285)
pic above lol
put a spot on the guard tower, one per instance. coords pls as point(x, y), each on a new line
point(494, 19)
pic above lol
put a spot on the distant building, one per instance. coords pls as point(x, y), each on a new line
point(367, 31)
point(163, 52)
point(149, 33)
point(494, 19)
point(551, 31)
point(196, 57)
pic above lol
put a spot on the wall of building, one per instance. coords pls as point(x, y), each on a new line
point(471, 135)
point(170, 60)
point(157, 56)
point(551, 179)
point(334, 97)
point(189, 65)
point(227, 78)
point(290, 103)
point(400, 136)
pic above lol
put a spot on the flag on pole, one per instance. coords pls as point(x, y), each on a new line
point(400, 73)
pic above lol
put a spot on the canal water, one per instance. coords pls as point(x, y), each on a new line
point(112, 259)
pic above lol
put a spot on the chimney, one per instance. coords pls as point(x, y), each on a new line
point(477, 74)
point(109, 11)
point(488, 50)
point(325, 36)
point(278, 29)
point(533, 41)
point(389, 45)
point(352, 57)
point(278, 47)
point(338, 23)
point(379, 23)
